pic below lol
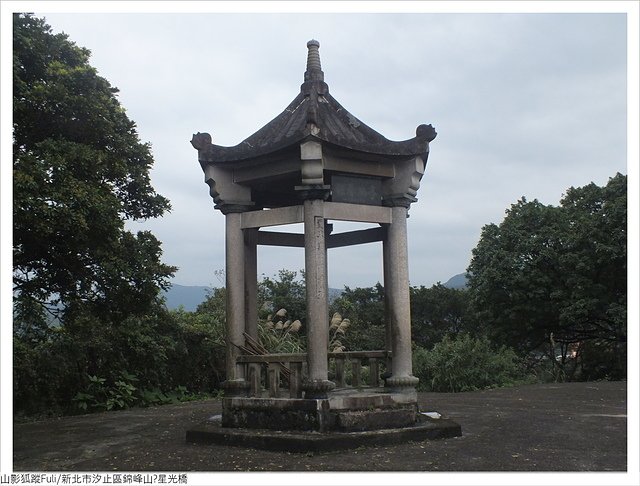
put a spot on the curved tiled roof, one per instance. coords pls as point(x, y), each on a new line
point(315, 115)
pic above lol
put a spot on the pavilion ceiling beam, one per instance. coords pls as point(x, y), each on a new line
point(358, 237)
point(273, 238)
point(348, 238)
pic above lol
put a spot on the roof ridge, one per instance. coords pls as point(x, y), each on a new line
point(315, 113)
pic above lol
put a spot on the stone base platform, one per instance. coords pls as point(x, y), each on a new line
point(300, 441)
point(344, 410)
point(347, 418)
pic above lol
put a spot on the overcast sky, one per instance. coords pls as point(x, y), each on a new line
point(524, 105)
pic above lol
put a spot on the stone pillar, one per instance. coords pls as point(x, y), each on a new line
point(235, 385)
point(251, 302)
point(251, 281)
point(317, 384)
point(399, 310)
point(386, 272)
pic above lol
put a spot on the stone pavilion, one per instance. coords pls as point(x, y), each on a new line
point(313, 164)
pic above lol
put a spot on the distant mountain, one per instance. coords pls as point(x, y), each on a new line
point(190, 296)
point(334, 294)
point(457, 282)
point(187, 296)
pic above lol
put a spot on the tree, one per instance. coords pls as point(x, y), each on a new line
point(364, 307)
point(515, 282)
point(285, 291)
point(436, 312)
point(595, 262)
point(552, 276)
point(86, 290)
point(79, 171)
point(199, 361)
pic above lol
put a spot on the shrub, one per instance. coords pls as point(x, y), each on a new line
point(282, 336)
point(465, 363)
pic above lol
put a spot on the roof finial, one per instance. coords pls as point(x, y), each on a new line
point(314, 69)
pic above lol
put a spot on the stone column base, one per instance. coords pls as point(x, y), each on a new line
point(399, 382)
point(317, 388)
point(235, 388)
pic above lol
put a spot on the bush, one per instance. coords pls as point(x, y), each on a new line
point(197, 362)
point(100, 395)
point(93, 364)
point(283, 336)
point(465, 363)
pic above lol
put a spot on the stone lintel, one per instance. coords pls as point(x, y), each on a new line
point(357, 212)
point(295, 214)
point(273, 217)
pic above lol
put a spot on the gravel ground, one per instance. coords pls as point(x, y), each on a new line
point(545, 427)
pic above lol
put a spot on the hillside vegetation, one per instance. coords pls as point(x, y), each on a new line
point(545, 297)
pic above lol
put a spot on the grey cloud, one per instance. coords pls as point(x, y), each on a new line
point(524, 104)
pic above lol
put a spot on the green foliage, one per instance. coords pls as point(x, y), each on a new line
point(437, 312)
point(284, 292)
point(79, 171)
point(214, 305)
point(49, 373)
point(198, 362)
point(364, 309)
point(514, 276)
point(283, 336)
point(600, 360)
point(551, 274)
point(86, 290)
point(153, 397)
point(464, 363)
point(99, 395)
point(595, 262)
point(94, 395)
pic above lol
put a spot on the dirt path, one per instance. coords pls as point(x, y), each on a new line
point(553, 427)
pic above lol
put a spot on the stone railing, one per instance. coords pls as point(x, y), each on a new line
point(270, 370)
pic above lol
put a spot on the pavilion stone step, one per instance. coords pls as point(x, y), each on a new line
point(361, 420)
